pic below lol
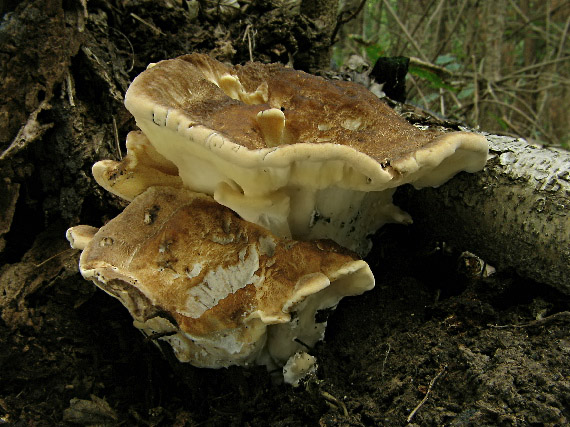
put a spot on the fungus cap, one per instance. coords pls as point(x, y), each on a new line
point(295, 153)
point(140, 169)
point(221, 291)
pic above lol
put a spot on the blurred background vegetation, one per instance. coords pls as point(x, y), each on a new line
point(499, 65)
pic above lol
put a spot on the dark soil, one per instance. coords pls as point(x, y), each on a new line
point(433, 344)
point(479, 351)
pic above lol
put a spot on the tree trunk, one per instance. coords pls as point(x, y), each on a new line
point(514, 214)
point(321, 16)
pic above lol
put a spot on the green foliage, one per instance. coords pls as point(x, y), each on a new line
point(449, 62)
point(518, 52)
point(373, 52)
point(466, 92)
point(502, 123)
point(433, 80)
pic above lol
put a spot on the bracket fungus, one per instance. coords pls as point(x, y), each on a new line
point(299, 155)
point(220, 290)
point(232, 165)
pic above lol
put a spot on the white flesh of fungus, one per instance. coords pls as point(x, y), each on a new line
point(298, 367)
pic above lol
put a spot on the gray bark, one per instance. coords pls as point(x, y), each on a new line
point(514, 214)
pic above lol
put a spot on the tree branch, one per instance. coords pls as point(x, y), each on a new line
point(514, 214)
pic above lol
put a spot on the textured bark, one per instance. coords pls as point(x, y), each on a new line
point(321, 20)
point(31, 76)
point(514, 214)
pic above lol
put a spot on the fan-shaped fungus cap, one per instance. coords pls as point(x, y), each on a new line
point(221, 291)
point(295, 153)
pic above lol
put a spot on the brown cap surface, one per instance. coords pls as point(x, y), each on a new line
point(317, 111)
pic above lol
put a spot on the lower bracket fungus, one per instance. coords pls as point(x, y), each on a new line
point(220, 290)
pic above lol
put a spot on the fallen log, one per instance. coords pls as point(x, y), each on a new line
point(514, 214)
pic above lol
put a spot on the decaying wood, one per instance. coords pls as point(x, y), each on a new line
point(515, 214)
point(9, 193)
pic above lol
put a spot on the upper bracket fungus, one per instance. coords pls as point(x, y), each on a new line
point(299, 155)
point(221, 291)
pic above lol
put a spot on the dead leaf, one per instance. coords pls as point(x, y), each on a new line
point(94, 412)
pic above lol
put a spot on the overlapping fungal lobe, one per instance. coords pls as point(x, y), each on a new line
point(141, 168)
point(304, 157)
point(219, 290)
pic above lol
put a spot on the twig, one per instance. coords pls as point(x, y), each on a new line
point(451, 31)
point(563, 39)
point(491, 91)
point(512, 93)
point(444, 73)
point(541, 89)
point(537, 322)
point(132, 49)
point(102, 70)
point(330, 398)
point(534, 120)
point(340, 21)
point(440, 71)
point(512, 126)
point(53, 257)
point(532, 67)
point(422, 18)
point(431, 383)
point(404, 29)
point(154, 28)
point(455, 99)
point(70, 88)
point(250, 43)
point(385, 359)
point(424, 100)
point(529, 77)
point(437, 10)
point(522, 114)
point(29, 132)
point(116, 135)
point(527, 20)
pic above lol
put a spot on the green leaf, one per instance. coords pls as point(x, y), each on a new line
point(374, 52)
point(444, 59)
point(431, 97)
point(501, 122)
point(454, 66)
point(435, 82)
point(466, 92)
